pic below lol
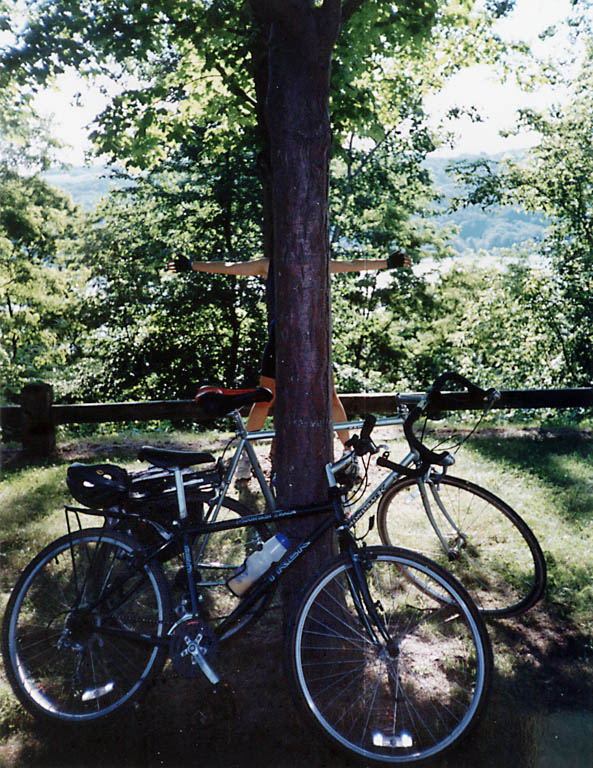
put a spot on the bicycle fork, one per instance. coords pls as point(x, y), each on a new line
point(460, 538)
point(368, 610)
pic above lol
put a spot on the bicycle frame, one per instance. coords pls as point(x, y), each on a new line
point(186, 533)
point(245, 444)
point(246, 439)
point(334, 517)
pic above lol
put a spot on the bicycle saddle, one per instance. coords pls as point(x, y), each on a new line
point(216, 401)
point(167, 458)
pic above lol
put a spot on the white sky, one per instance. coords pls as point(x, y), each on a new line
point(497, 103)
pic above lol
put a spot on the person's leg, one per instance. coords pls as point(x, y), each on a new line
point(343, 434)
point(339, 414)
point(259, 411)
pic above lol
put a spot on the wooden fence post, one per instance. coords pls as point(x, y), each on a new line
point(39, 432)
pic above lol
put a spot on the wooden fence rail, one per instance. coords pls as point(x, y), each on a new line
point(34, 421)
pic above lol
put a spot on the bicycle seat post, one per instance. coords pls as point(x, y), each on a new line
point(240, 427)
point(180, 493)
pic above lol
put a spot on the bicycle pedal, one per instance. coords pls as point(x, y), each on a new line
point(191, 641)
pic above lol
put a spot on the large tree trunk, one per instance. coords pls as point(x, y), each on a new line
point(300, 42)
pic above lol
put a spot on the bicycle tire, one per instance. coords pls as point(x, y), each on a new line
point(403, 705)
point(60, 664)
point(498, 560)
point(216, 556)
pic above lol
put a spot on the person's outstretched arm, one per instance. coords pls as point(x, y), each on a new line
point(396, 259)
point(253, 267)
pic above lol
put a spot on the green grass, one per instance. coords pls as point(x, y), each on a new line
point(548, 479)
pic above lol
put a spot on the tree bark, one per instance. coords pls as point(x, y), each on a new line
point(301, 35)
point(301, 39)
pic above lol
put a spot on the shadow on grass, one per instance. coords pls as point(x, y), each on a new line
point(561, 459)
point(540, 708)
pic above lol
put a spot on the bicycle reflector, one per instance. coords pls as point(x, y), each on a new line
point(99, 485)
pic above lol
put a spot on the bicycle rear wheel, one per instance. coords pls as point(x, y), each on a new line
point(397, 702)
point(494, 554)
point(76, 636)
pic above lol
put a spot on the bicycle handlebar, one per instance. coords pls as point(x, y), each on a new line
point(362, 444)
point(486, 398)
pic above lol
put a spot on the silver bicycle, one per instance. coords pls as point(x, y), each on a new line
point(466, 528)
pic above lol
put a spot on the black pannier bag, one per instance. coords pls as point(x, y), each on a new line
point(152, 492)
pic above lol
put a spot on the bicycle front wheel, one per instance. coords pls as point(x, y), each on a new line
point(492, 551)
point(80, 627)
point(400, 701)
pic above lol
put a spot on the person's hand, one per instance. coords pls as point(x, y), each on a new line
point(398, 259)
point(179, 264)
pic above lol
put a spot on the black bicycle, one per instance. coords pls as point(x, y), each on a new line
point(386, 653)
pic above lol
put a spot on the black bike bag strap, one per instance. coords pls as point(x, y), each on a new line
point(383, 461)
point(216, 401)
point(166, 458)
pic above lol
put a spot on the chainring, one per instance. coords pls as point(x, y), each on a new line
point(189, 638)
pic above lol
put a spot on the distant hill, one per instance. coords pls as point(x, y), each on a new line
point(86, 185)
point(482, 230)
point(478, 230)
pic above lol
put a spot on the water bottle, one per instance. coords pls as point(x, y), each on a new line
point(257, 563)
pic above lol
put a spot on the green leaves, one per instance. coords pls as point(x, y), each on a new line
point(555, 179)
point(41, 281)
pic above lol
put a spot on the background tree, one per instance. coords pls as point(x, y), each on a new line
point(556, 180)
point(163, 334)
point(41, 285)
